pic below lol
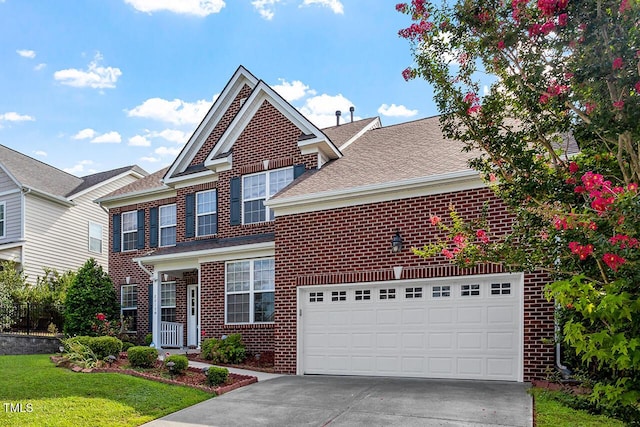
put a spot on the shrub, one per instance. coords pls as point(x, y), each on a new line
point(229, 349)
point(148, 339)
point(126, 345)
point(79, 352)
point(181, 363)
point(217, 376)
point(142, 357)
point(105, 346)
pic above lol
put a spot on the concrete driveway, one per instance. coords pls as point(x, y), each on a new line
point(349, 401)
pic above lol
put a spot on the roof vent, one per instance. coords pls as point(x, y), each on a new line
point(338, 113)
point(351, 110)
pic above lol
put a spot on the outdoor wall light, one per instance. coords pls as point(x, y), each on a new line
point(166, 277)
point(396, 243)
point(128, 279)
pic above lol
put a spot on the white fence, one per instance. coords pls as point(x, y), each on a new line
point(171, 334)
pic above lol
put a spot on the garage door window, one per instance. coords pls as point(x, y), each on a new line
point(363, 295)
point(250, 290)
point(412, 293)
point(469, 290)
point(387, 294)
point(501, 289)
point(441, 291)
point(339, 296)
point(316, 296)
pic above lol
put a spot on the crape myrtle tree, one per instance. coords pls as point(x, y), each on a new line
point(524, 84)
point(90, 300)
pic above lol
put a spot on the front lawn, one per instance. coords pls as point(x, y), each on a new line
point(52, 396)
point(551, 412)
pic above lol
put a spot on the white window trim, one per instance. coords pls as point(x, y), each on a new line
point(267, 213)
point(3, 221)
point(160, 226)
point(251, 291)
point(90, 223)
point(135, 215)
point(198, 214)
point(122, 307)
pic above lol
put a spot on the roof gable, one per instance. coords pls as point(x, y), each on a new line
point(312, 139)
point(183, 166)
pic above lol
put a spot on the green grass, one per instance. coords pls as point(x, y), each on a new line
point(551, 412)
point(59, 397)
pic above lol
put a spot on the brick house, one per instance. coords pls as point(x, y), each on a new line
point(299, 239)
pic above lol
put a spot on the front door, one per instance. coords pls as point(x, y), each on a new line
point(192, 315)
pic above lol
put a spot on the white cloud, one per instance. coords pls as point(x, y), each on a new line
point(139, 141)
point(87, 133)
point(149, 159)
point(177, 112)
point(95, 76)
point(292, 91)
point(40, 153)
point(78, 167)
point(167, 151)
point(107, 138)
point(25, 53)
point(186, 7)
point(335, 5)
point(265, 8)
point(12, 116)
point(40, 66)
point(173, 135)
point(394, 110)
point(321, 109)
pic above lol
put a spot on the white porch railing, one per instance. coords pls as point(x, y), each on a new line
point(171, 334)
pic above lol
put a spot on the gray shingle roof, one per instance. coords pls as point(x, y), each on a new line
point(45, 178)
point(148, 183)
point(341, 134)
point(388, 154)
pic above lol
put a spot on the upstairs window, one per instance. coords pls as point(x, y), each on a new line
point(129, 231)
point(167, 225)
point(95, 237)
point(259, 187)
point(206, 213)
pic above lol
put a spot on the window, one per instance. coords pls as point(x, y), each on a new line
point(316, 296)
point(501, 289)
point(168, 301)
point(129, 306)
point(206, 213)
point(129, 230)
point(470, 290)
point(95, 237)
point(441, 291)
point(2, 218)
point(250, 291)
point(338, 295)
point(363, 295)
point(259, 187)
point(387, 294)
point(168, 225)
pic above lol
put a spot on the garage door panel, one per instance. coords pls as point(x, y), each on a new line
point(432, 330)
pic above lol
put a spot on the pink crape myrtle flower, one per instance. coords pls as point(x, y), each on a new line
point(101, 317)
point(434, 219)
point(613, 261)
point(447, 253)
point(618, 63)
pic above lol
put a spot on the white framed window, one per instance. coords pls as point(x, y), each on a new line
point(129, 230)
point(167, 226)
point(3, 210)
point(206, 213)
point(95, 237)
point(249, 291)
point(259, 187)
point(168, 301)
point(129, 306)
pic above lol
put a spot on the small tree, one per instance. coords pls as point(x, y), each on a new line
point(91, 292)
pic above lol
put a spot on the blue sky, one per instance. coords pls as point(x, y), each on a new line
point(91, 85)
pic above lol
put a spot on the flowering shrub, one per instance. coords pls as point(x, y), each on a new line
point(525, 84)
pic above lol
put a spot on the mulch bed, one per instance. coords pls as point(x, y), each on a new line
point(262, 362)
point(193, 377)
point(569, 386)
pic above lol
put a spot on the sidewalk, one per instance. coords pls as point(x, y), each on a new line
point(262, 376)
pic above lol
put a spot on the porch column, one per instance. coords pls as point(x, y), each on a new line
point(155, 324)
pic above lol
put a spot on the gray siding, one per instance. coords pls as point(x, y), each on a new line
point(12, 197)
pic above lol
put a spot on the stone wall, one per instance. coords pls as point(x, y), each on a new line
point(28, 344)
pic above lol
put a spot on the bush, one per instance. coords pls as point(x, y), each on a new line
point(229, 349)
point(126, 345)
point(181, 363)
point(217, 376)
point(142, 357)
point(148, 339)
point(105, 346)
point(79, 352)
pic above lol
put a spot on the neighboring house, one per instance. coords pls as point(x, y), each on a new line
point(267, 226)
point(48, 217)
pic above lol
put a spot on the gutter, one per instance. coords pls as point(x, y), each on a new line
point(150, 274)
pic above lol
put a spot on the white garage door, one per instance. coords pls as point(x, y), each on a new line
point(460, 328)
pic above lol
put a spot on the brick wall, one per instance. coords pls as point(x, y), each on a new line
point(353, 244)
